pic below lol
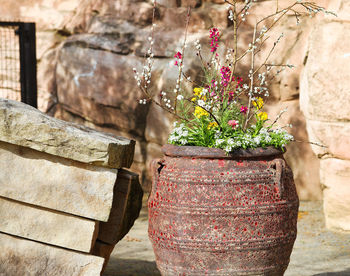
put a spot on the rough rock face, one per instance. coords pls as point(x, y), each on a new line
point(335, 175)
point(125, 209)
point(88, 49)
point(43, 225)
point(26, 126)
point(56, 183)
point(54, 204)
point(325, 101)
point(40, 259)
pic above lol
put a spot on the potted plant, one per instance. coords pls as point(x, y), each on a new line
point(223, 199)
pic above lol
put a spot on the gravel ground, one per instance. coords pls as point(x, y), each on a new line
point(317, 251)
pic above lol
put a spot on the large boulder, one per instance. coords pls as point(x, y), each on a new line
point(98, 85)
point(324, 99)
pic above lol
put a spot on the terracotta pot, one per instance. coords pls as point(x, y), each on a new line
point(213, 214)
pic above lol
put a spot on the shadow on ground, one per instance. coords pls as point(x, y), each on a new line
point(131, 267)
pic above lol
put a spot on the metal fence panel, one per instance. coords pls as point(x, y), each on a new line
point(18, 62)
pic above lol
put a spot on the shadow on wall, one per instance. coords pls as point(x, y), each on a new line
point(121, 267)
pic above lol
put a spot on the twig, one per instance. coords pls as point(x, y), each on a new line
point(312, 143)
point(183, 56)
point(251, 78)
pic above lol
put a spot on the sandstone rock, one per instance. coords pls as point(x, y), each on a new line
point(103, 250)
point(153, 152)
point(290, 53)
point(24, 257)
point(335, 136)
point(159, 124)
point(325, 83)
point(112, 25)
point(126, 207)
point(299, 155)
point(219, 16)
point(114, 43)
point(191, 3)
point(216, 1)
point(141, 169)
point(47, 94)
point(47, 226)
point(100, 87)
point(26, 126)
point(138, 165)
point(341, 8)
point(168, 3)
point(45, 40)
point(165, 46)
point(136, 11)
point(176, 19)
point(56, 183)
point(335, 176)
point(47, 15)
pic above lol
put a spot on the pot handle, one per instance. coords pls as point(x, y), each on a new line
point(155, 168)
point(278, 165)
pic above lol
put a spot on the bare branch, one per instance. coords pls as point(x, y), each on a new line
point(183, 56)
point(251, 72)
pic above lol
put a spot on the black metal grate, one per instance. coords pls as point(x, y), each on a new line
point(10, 76)
point(18, 62)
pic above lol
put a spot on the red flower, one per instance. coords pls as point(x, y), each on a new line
point(244, 109)
point(178, 55)
point(233, 124)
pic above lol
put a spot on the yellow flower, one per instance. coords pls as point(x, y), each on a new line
point(197, 91)
point(199, 112)
point(212, 125)
point(259, 103)
point(262, 116)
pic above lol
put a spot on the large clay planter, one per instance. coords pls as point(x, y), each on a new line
point(213, 214)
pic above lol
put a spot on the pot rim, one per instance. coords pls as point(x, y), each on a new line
point(215, 153)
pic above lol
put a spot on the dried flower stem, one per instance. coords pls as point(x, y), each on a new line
point(235, 39)
point(278, 117)
point(312, 143)
point(251, 79)
point(183, 56)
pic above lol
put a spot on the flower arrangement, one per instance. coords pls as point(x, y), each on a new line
point(223, 110)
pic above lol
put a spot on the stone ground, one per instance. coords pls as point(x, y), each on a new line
point(317, 251)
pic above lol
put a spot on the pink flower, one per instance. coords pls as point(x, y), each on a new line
point(178, 55)
point(225, 75)
point(214, 35)
point(244, 109)
point(233, 123)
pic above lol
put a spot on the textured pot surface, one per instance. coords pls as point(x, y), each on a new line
point(212, 214)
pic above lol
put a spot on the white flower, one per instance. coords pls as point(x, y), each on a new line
point(180, 97)
point(230, 141)
point(218, 142)
point(201, 103)
point(257, 140)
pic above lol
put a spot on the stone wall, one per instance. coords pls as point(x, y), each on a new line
point(87, 50)
point(65, 200)
point(325, 101)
